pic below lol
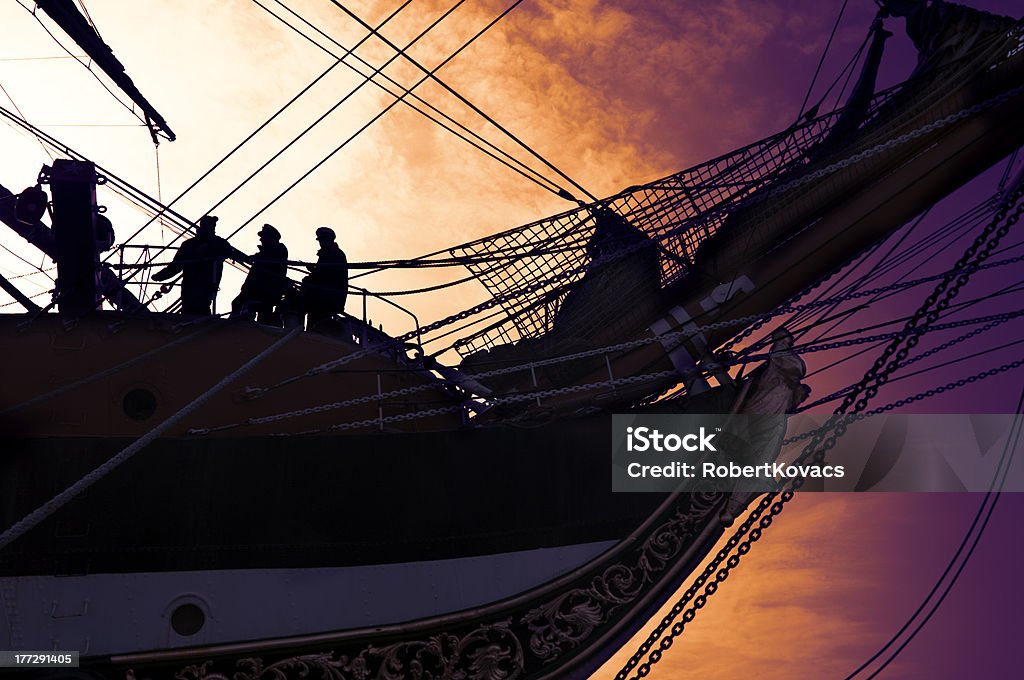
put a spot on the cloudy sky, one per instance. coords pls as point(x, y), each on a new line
point(613, 94)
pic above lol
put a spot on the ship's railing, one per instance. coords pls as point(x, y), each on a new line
point(368, 332)
point(145, 262)
point(365, 334)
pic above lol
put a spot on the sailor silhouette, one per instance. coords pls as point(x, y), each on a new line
point(325, 289)
point(200, 260)
point(267, 279)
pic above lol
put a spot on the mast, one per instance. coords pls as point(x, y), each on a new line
point(67, 16)
point(73, 184)
point(26, 223)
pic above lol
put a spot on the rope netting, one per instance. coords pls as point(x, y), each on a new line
point(678, 212)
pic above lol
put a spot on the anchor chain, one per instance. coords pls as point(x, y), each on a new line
point(819, 446)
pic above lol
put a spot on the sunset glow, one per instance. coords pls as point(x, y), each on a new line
point(613, 94)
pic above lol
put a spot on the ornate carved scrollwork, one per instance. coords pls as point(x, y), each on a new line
point(528, 637)
point(565, 622)
point(490, 652)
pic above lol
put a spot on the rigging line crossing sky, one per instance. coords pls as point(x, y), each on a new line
point(952, 309)
point(457, 95)
point(18, 109)
point(868, 386)
point(872, 346)
point(677, 199)
point(846, 271)
point(248, 138)
point(950, 362)
point(517, 294)
point(887, 292)
point(120, 186)
point(884, 267)
point(66, 150)
point(821, 62)
point(525, 170)
point(366, 79)
point(873, 273)
point(311, 127)
point(377, 117)
point(128, 107)
point(965, 221)
point(986, 508)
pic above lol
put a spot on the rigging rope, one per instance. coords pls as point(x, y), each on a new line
point(397, 342)
point(38, 269)
point(567, 275)
point(381, 114)
point(986, 509)
point(18, 109)
point(348, 95)
point(821, 62)
point(878, 375)
point(965, 221)
point(462, 132)
point(431, 75)
point(255, 132)
point(991, 321)
point(88, 67)
point(114, 181)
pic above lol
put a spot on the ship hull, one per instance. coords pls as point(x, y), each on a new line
point(566, 627)
point(279, 537)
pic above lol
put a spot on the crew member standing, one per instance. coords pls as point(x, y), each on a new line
point(325, 289)
point(267, 279)
point(200, 260)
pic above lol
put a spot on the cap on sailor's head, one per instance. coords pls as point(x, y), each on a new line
point(782, 335)
point(208, 221)
point(325, 234)
point(269, 230)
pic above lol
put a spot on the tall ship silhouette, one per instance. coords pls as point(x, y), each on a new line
point(203, 497)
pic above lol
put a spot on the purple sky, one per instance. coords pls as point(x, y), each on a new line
point(616, 93)
point(839, 573)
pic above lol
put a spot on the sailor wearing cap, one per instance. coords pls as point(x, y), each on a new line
point(200, 260)
point(325, 289)
point(267, 279)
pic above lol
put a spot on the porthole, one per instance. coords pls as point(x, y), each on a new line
point(139, 404)
point(187, 619)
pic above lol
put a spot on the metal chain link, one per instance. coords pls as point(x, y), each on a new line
point(750, 200)
point(530, 396)
point(995, 319)
point(509, 399)
point(837, 425)
point(1000, 319)
point(900, 403)
point(256, 392)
